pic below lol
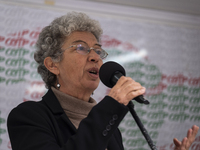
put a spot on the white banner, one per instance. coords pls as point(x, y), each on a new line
point(163, 58)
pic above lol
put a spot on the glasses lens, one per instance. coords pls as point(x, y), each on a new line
point(82, 49)
point(103, 54)
point(98, 51)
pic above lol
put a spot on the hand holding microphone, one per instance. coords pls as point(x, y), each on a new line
point(124, 89)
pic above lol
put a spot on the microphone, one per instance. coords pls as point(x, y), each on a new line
point(110, 72)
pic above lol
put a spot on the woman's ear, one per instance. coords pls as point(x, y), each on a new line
point(51, 66)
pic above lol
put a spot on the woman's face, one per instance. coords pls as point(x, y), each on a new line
point(79, 72)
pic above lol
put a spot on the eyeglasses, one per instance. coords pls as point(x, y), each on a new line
point(84, 50)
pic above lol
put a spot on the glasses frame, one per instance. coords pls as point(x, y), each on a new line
point(88, 51)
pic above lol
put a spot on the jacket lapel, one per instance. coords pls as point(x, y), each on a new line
point(53, 104)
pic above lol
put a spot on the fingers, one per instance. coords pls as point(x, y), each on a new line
point(187, 141)
point(184, 143)
point(177, 142)
point(136, 93)
point(126, 89)
point(191, 135)
point(126, 83)
point(132, 88)
point(180, 145)
point(195, 130)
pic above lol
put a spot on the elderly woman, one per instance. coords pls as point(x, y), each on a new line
point(69, 55)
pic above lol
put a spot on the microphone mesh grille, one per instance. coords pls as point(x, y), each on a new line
point(108, 70)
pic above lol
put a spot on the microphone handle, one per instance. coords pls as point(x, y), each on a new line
point(139, 99)
point(141, 126)
point(130, 105)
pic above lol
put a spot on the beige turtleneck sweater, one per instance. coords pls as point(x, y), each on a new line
point(75, 109)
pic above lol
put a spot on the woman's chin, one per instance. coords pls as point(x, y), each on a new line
point(93, 85)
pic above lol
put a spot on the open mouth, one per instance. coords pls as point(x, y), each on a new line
point(93, 72)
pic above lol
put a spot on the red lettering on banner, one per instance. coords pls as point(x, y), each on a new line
point(129, 47)
point(110, 42)
point(194, 81)
point(36, 95)
point(27, 92)
point(20, 42)
point(2, 38)
point(172, 146)
point(164, 147)
point(35, 91)
point(181, 79)
point(25, 32)
point(178, 79)
point(32, 43)
point(40, 83)
point(25, 100)
point(19, 34)
point(9, 145)
point(164, 76)
point(12, 34)
point(197, 139)
point(195, 146)
point(146, 57)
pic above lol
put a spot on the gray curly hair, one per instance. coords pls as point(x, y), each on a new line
point(53, 36)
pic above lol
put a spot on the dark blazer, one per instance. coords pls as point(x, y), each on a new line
point(44, 125)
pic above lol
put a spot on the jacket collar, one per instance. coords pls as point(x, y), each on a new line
point(52, 102)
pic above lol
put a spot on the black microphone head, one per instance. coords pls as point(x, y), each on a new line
point(108, 70)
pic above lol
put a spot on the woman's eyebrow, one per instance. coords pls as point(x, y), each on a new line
point(97, 44)
point(78, 41)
